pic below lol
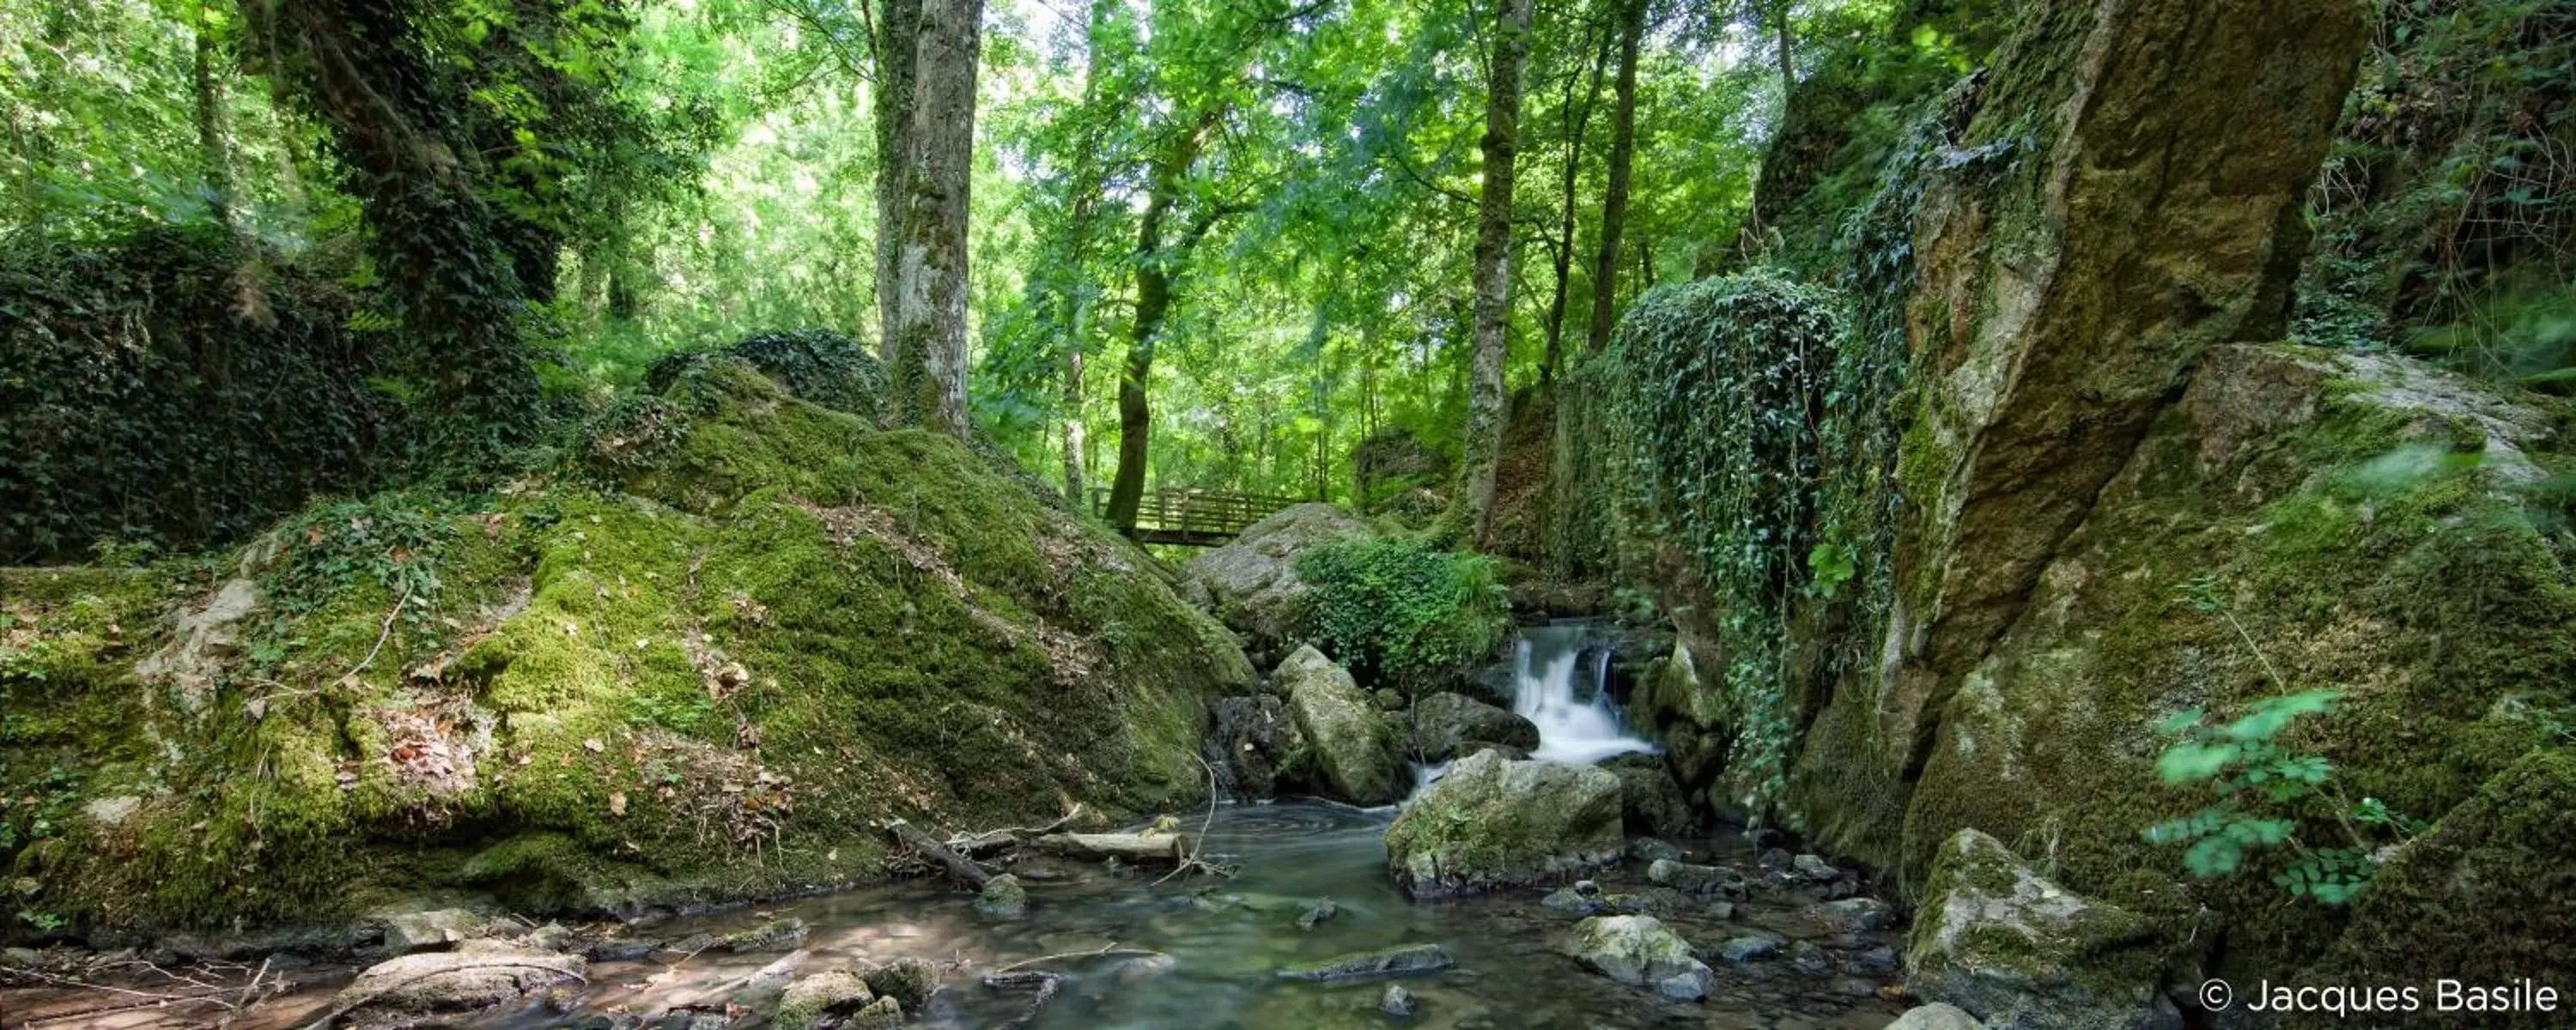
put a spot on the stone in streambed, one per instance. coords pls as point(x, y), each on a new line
point(1697, 879)
point(479, 976)
point(906, 980)
point(1640, 951)
point(1358, 755)
point(1757, 944)
point(775, 935)
point(1395, 1002)
point(1003, 898)
point(1408, 960)
point(2021, 953)
point(1492, 823)
point(1322, 909)
point(809, 1000)
point(1444, 723)
point(1936, 1016)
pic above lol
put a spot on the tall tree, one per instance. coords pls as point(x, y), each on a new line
point(214, 129)
point(1488, 403)
point(897, 44)
point(1578, 117)
point(929, 331)
point(1157, 261)
point(1623, 154)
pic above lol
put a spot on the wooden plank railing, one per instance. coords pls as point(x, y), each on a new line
point(1194, 517)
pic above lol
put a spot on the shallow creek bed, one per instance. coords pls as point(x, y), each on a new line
point(1796, 945)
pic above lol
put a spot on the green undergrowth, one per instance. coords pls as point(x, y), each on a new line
point(703, 667)
point(1396, 611)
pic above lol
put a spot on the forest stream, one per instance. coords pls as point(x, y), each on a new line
point(1310, 889)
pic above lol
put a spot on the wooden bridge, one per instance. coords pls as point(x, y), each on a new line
point(1194, 518)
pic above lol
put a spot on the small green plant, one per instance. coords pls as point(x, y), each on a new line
point(2264, 784)
point(1399, 611)
point(44, 922)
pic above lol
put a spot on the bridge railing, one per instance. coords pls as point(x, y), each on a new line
point(1186, 515)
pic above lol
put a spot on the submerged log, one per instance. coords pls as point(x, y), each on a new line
point(926, 846)
point(1126, 847)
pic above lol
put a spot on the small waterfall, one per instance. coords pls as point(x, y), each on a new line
point(1573, 711)
point(1576, 720)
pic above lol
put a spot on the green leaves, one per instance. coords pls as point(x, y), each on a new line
point(1399, 611)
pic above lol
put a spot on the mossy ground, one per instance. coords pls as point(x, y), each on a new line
point(711, 678)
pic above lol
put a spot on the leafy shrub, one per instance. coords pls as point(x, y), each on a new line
point(818, 365)
point(153, 390)
point(1394, 611)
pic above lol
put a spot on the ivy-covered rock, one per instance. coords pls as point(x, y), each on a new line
point(2021, 953)
point(1252, 583)
point(1358, 754)
point(1401, 614)
point(816, 365)
point(1493, 823)
point(782, 630)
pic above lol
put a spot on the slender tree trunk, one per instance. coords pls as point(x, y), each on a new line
point(1788, 68)
point(897, 45)
point(929, 373)
point(1623, 153)
point(1155, 267)
point(1578, 118)
point(214, 134)
point(1488, 405)
point(1073, 471)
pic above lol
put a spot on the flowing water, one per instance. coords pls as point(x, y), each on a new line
point(1216, 945)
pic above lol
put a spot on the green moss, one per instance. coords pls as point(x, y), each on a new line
point(2355, 560)
point(715, 686)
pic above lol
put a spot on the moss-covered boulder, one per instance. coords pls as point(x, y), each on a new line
point(2487, 897)
point(777, 626)
point(1251, 583)
point(1356, 752)
point(1493, 823)
point(1642, 952)
point(2021, 953)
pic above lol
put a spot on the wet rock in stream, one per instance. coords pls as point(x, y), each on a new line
point(1407, 960)
point(1395, 1002)
point(440, 988)
point(1641, 951)
point(1003, 898)
point(831, 994)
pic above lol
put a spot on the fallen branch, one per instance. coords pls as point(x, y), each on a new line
point(1110, 948)
point(968, 844)
point(1126, 847)
point(959, 866)
point(1191, 861)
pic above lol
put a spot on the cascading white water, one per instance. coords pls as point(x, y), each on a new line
point(1576, 721)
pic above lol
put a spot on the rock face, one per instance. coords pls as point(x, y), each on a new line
point(1255, 746)
point(1357, 753)
point(2021, 953)
point(1252, 583)
point(1443, 721)
point(2488, 896)
point(1493, 823)
point(1640, 950)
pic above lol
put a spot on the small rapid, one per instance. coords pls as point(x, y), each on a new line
point(1567, 697)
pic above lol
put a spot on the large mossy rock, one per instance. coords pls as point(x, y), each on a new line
point(1357, 754)
point(778, 627)
point(1493, 823)
point(2487, 897)
point(2021, 953)
point(1252, 583)
point(1642, 952)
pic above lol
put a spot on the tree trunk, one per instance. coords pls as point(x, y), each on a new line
point(1788, 68)
point(1578, 118)
point(1623, 153)
point(897, 43)
point(1155, 267)
point(1073, 471)
point(214, 136)
point(1487, 403)
point(929, 373)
